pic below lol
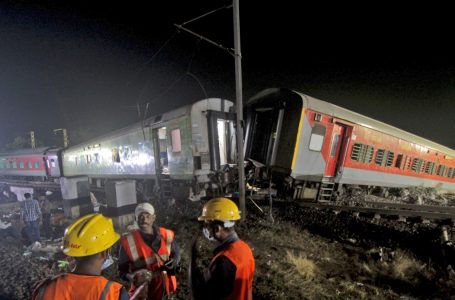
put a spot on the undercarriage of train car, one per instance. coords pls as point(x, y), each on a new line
point(265, 181)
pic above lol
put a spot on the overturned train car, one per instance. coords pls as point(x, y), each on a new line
point(177, 154)
point(313, 149)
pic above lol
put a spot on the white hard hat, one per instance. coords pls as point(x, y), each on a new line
point(144, 207)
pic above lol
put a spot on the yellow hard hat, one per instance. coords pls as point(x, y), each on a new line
point(89, 235)
point(220, 209)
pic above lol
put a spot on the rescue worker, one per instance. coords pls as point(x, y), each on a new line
point(88, 240)
point(231, 270)
point(149, 257)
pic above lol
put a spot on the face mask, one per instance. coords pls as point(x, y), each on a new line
point(207, 234)
point(107, 263)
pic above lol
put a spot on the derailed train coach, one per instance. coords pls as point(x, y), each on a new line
point(42, 164)
point(171, 155)
point(314, 149)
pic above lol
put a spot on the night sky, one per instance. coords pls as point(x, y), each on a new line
point(85, 66)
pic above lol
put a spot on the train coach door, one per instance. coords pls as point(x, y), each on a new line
point(222, 138)
point(335, 150)
point(160, 150)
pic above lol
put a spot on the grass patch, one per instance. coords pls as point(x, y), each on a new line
point(404, 265)
point(305, 267)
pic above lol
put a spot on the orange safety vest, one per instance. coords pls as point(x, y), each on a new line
point(74, 286)
point(141, 255)
point(240, 254)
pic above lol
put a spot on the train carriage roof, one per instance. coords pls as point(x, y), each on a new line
point(153, 121)
point(29, 151)
point(347, 115)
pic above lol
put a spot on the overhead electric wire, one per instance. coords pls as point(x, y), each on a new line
point(154, 55)
point(206, 14)
point(188, 70)
point(181, 27)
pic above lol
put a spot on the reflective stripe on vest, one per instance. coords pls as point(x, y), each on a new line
point(106, 290)
point(168, 242)
point(138, 251)
point(133, 248)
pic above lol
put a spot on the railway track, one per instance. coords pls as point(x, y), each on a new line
point(376, 208)
point(402, 211)
point(35, 184)
point(53, 186)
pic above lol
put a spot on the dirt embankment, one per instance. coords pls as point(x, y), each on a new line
point(303, 254)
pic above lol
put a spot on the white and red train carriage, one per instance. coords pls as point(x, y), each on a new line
point(315, 144)
point(323, 146)
point(31, 164)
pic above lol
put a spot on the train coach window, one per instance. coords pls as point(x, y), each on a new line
point(451, 173)
point(30, 165)
point(441, 170)
point(407, 163)
point(417, 164)
point(21, 165)
point(389, 160)
point(430, 167)
point(384, 158)
point(115, 155)
point(226, 141)
point(14, 165)
point(176, 140)
point(336, 139)
point(380, 157)
point(362, 153)
point(36, 165)
point(125, 153)
point(317, 137)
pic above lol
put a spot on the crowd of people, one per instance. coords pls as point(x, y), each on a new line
point(149, 257)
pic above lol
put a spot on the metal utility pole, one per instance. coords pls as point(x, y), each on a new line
point(32, 139)
point(65, 136)
point(239, 107)
point(238, 91)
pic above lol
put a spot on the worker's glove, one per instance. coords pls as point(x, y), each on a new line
point(170, 267)
point(140, 276)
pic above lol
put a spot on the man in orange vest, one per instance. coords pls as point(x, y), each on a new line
point(88, 240)
point(149, 257)
point(231, 270)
